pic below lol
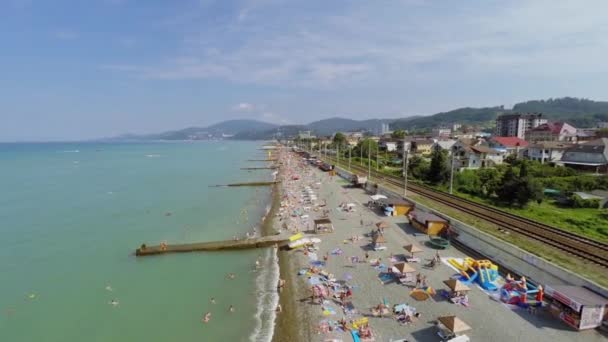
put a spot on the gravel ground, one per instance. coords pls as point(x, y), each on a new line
point(490, 320)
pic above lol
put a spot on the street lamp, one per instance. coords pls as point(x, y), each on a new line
point(350, 149)
point(369, 160)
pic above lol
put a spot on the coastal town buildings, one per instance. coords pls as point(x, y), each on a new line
point(508, 145)
point(441, 133)
point(590, 156)
point(516, 125)
point(546, 151)
point(552, 131)
point(475, 155)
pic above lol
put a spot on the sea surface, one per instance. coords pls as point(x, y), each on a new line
point(72, 215)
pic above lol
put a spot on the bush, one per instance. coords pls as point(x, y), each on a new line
point(578, 202)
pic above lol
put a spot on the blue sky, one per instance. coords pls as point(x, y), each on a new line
point(95, 68)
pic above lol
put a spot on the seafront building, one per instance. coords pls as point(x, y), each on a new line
point(516, 125)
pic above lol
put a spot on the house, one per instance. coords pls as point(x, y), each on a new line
point(389, 145)
point(552, 131)
point(474, 156)
point(546, 151)
point(516, 125)
point(427, 223)
point(444, 145)
point(421, 146)
point(590, 156)
point(396, 206)
point(600, 195)
point(508, 145)
point(441, 133)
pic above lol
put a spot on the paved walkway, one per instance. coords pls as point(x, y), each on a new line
point(490, 320)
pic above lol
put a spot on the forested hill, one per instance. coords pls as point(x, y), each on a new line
point(579, 112)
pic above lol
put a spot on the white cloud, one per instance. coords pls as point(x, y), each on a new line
point(412, 41)
point(243, 107)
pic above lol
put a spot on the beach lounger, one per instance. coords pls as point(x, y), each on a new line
point(385, 278)
point(412, 259)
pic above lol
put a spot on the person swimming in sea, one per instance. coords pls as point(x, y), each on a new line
point(212, 300)
point(207, 317)
point(114, 302)
point(231, 308)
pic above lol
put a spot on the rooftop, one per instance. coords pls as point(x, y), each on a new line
point(422, 216)
point(510, 141)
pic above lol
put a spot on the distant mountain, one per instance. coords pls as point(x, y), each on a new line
point(466, 116)
point(332, 125)
point(224, 129)
point(578, 112)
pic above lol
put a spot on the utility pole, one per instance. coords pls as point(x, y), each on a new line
point(361, 159)
point(377, 164)
point(338, 155)
point(406, 155)
point(350, 150)
point(452, 171)
point(369, 160)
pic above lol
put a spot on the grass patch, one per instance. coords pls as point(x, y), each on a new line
point(583, 221)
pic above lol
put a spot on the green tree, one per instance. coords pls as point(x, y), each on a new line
point(468, 181)
point(438, 171)
point(339, 140)
point(418, 168)
point(368, 146)
point(507, 189)
point(528, 190)
point(398, 134)
point(489, 179)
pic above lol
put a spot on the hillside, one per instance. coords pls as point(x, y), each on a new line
point(578, 112)
point(468, 116)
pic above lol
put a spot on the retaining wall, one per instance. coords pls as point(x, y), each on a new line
point(501, 252)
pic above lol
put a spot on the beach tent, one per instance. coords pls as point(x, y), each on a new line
point(456, 285)
point(413, 249)
point(382, 224)
point(453, 324)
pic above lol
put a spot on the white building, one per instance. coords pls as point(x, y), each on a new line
point(547, 152)
point(441, 133)
point(516, 125)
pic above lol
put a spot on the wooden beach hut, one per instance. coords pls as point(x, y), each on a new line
point(427, 223)
point(323, 225)
point(396, 206)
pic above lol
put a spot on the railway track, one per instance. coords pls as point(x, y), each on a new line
point(577, 245)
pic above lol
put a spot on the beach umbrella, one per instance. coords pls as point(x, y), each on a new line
point(420, 295)
point(382, 224)
point(454, 324)
point(403, 268)
point(456, 285)
point(378, 239)
point(413, 249)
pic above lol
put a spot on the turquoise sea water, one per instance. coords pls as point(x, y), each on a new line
point(71, 216)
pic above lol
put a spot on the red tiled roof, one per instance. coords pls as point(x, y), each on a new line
point(511, 141)
point(553, 127)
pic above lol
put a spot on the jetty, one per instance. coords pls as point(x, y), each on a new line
point(247, 184)
point(260, 168)
point(266, 241)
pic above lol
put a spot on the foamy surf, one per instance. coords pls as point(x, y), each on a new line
point(268, 298)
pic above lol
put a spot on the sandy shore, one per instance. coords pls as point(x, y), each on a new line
point(299, 321)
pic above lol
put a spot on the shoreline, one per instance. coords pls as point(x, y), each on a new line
point(286, 323)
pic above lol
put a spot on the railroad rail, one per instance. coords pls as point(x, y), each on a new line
point(574, 244)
